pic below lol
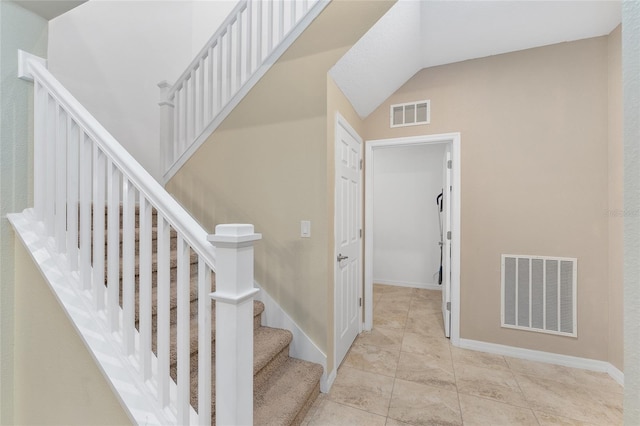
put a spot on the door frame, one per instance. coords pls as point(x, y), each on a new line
point(340, 121)
point(453, 140)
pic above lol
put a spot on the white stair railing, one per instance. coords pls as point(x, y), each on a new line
point(85, 183)
point(249, 41)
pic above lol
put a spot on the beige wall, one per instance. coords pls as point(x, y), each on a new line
point(56, 379)
point(534, 176)
point(537, 169)
point(268, 164)
point(616, 205)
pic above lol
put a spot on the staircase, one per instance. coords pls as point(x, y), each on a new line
point(284, 387)
point(135, 272)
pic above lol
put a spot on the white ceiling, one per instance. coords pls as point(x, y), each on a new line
point(49, 9)
point(418, 34)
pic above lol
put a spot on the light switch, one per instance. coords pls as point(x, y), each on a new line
point(305, 228)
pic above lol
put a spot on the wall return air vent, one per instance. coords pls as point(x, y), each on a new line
point(410, 114)
point(539, 294)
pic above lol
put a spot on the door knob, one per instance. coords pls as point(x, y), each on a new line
point(341, 257)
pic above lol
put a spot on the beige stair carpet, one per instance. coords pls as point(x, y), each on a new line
point(284, 387)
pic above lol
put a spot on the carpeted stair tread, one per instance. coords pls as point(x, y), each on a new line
point(281, 399)
point(173, 261)
point(267, 343)
point(284, 387)
point(173, 295)
point(258, 308)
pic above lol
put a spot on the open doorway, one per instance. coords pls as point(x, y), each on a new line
point(410, 270)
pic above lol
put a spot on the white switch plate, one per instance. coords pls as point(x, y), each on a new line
point(305, 228)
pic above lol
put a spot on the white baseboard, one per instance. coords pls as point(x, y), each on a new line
point(615, 374)
point(329, 382)
point(426, 286)
point(548, 357)
point(302, 346)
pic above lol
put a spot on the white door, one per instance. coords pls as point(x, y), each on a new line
point(446, 248)
point(348, 239)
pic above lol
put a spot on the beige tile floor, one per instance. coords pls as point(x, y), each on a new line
point(405, 372)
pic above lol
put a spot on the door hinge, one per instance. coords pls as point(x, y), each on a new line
point(360, 301)
point(449, 164)
point(361, 163)
point(360, 232)
point(448, 235)
point(448, 306)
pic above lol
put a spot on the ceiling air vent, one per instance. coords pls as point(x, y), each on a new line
point(410, 114)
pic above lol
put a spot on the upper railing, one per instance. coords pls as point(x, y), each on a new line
point(88, 187)
point(249, 41)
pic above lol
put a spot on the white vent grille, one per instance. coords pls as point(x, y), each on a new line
point(539, 294)
point(410, 114)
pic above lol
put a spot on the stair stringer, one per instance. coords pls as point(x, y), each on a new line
point(301, 347)
point(135, 395)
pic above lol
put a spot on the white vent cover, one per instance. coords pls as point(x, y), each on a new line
point(410, 114)
point(539, 294)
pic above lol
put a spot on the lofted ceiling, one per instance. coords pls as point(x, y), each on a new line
point(419, 34)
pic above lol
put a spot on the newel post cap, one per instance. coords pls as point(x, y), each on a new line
point(234, 233)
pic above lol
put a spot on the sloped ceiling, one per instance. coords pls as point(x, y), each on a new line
point(419, 34)
point(49, 9)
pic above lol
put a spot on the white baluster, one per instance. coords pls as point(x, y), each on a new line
point(238, 79)
point(211, 89)
point(218, 87)
point(204, 343)
point(167, 136)
point(182, 330)
point(61, 180)
point(281, 21)
point(113, 245)
point(73, 147)
point(234, 308)
point(99, 171)
point(200, 98)
point(191, 111)
point(128, 265)
point(86, 178)
point(249, 66)
point(184, 118)
point(163, 289)
point(39, 148)
point(259, 34)
point(293, 14)
point(144, 273)
point(269, 27)
point(50, 165)
point(229, 62)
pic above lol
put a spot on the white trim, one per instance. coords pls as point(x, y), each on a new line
point(301, 346)
point(329, 381)
point(24, 69)
point(547, 357)
point(415, 113)
point(448, 138)
point(135, 396)
point(574, 295)
point(426, 286)
point(615, 374)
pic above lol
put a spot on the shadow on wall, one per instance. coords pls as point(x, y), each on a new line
point(197, 196)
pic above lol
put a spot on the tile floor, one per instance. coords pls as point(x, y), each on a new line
point(405, 372)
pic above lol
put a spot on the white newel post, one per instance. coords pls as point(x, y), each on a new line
point(166, 126)
point(234, 323)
